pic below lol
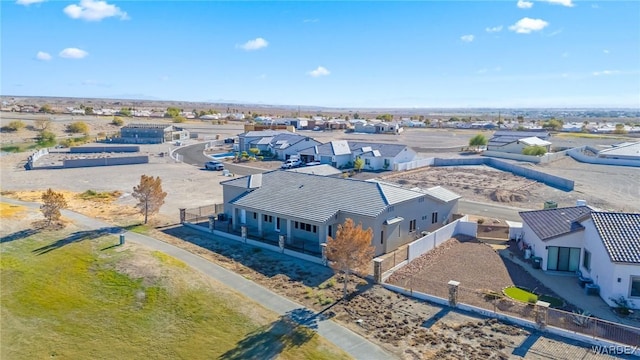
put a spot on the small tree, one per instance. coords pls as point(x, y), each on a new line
point(46, 138)
point(358, 164)
point(125, 111)
point(254, 151)
point(350, 250)
point(149, 195)
point(46, 108)
point(52, 202)
point(620, 129)
point(477, 141)
point(42, 124)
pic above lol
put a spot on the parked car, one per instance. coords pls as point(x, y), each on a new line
point(214, 165)
point(291, 163)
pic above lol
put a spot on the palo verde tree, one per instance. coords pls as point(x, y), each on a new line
point(52, 203)
point(477, 141)
point(350, 250)
point(149, 195)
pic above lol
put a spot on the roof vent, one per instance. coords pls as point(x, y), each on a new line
point(581, 203)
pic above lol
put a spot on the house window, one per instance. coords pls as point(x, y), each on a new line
point(386, 162)
point(424, 217)
point(412, 225)
point(390, 209)
point(381, 237)
point(255, 216)
point(434, 217)
point(267, 218)
point(635, 286)
point(295, 224)
point(586, 260)
point(367, 162)
point(421, 200)
point(315, 229)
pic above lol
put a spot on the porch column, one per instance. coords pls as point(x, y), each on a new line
point(259, 216)
point(289, 237)
point(235, 218)
point(322, 234)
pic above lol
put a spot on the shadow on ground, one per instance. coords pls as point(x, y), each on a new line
point(22, 234)
point(266, 262)
point(289, 331)
point(77, 236)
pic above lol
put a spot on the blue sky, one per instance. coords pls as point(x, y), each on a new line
point(554, 53)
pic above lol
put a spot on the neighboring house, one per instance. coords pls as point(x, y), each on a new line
point(626, 151)
point(509, 140)
point(282, 144)
point(150, 134)
point(379, 127)
point(603, 246)
point(343, 153)
point(307, 208)
point(413, 123)
point(516, 147)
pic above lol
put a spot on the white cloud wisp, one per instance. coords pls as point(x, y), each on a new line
point(494, 29)
point(92, 10)
point(467, 38)
point(255, 44)
point(319, 71)
point(29, 2)
point(523, 4)
point(567, 3)
point(73, 53)
point(43, 56)
point(527, 25)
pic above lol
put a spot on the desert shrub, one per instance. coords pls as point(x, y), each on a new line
point(117, 121)
point(179, 119)
point(78, 127)
point(534, 150)
point(13, 126)
point(480, 221)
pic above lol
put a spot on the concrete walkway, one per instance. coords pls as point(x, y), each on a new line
point(566, 286)
point(352, 343)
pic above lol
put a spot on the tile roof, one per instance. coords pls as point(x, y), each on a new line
point(503, 137)
point(340, 147)
point(620, 234)
point(551, 223)
point(317, 198)
point(323, 170)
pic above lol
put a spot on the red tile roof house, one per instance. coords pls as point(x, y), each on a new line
point(601, 246)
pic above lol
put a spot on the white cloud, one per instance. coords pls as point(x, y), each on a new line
point(494, 29)
point(320, 71)
point(527, 25)
point(311, 20)
point(92, 10)
point(257, 43)
point(29, 2)
point(567, 3)
point(595, 6)
point(606, 72)
point(73, 53)
point(41, 55)
point(523, 4)
point(467, 38)
point(605, 51)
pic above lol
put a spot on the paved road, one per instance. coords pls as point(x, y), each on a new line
point(352, 343)
point(193, 155)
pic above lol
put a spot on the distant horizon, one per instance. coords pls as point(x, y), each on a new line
point(422, 54)
point(294, 106)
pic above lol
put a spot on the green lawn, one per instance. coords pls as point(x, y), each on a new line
point(76, 301)
point(529, 297)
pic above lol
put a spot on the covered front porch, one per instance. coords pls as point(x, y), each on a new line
point(303, 236)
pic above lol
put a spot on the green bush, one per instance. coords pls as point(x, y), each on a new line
point(78, 127)
point(535, 150)
point(46, 138)
point(117, 121)
point(179, 119)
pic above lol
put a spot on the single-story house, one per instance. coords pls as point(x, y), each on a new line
point(283, 144)
point(511, 141)
point(150, 134)
point(626, 151)
point(343, 153)
point(308, 208)
point(603, 246)
point(378, 127)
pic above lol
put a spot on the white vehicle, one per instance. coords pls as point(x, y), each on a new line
point(291, 163)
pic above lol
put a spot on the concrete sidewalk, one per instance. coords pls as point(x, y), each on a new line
point(352, 343)
point(566, 286)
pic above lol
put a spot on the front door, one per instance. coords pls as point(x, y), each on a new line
point(563, 258)
point(243, 216)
